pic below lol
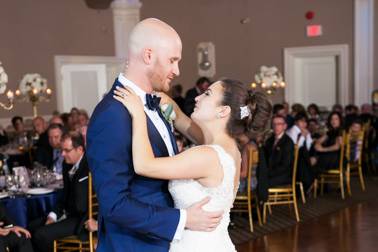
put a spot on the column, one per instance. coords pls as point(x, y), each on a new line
point(126, 14)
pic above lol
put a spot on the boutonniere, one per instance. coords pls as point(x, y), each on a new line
point(168, 113)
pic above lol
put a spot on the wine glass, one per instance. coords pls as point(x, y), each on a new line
point(9, 182)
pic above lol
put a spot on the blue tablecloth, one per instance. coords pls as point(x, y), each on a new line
point(23, 209)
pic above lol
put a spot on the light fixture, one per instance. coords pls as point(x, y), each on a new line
point(269, 79)
point(3, 87)
point(33, 88)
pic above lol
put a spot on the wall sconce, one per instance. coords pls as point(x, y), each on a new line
point(206, 59)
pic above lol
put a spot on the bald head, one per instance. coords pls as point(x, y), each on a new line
point(150, 33)
point(154, 51)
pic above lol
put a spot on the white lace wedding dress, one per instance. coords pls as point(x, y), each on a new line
point(187, 192)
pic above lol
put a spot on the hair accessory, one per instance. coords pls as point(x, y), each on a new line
point(244, 112)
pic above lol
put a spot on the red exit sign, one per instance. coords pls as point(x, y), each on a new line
point(314, 30)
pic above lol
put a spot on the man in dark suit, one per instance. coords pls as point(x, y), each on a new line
point(136, 213)
point(279, 153)
point(40, 134)
point(202, 84)
point(75, 197)
point(51, 155)
point(16, 239)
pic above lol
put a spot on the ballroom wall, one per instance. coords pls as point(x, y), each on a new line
point(242, 48)
point(34, 31)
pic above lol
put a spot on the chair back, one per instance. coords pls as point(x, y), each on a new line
point(295, 167)
point(253, 159)
point(344, 141)
point(92, 209)
point(359, 146)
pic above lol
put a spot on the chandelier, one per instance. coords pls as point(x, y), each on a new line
point(269, 79)
point(33, 88)
point(3, 87)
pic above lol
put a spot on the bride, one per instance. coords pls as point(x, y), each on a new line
point(223, 112)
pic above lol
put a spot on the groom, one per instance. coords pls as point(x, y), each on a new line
point(136, 213)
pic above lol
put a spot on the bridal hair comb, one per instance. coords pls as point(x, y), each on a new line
point(244, 112)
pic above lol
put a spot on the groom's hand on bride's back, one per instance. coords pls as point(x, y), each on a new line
point(201, 220)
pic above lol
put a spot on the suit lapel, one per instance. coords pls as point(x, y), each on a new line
point(153, 133)
point(155, 138)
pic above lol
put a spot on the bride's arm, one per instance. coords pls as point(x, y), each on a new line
point(184, 124)
point(195, 163)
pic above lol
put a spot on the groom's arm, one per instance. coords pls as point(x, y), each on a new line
point(110, 160)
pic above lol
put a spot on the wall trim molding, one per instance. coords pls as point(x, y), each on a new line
point(341, 51)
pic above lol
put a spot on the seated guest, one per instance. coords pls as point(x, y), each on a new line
point(338, 108)
point(75, 115)
point(275, 159)
point(279, 151)
point(300, 134)
point(56, 119)
point(314, 128)
point(351, 113)
point(296, 108)
point(13, 238)
point(67, 121)
point(355, 142)
point(18, 125)
point(39, 126)
point(280, 109)
point(83, 118)
point(367, 113)
point(327, 147)
point(19, 128)
point(75, 199)
point(51, 156)
point(313, 111)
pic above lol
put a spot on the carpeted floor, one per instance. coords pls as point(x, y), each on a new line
point(283, 217)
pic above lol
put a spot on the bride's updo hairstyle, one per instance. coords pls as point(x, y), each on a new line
point(250, 111)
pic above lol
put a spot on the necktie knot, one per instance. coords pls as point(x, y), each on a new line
point(152, 102)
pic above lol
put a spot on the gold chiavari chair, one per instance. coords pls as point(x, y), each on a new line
point(354, 167)
point(333, 176)
point(284, 195)
point(244, 202)
point(73, 243)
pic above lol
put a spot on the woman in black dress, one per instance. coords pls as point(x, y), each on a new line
point(327, 147)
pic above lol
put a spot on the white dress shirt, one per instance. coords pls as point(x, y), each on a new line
point(163, 131)
point(293, 133)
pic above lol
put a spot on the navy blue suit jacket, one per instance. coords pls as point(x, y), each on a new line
point(136, 212)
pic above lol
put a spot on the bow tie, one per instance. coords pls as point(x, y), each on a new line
point(152, 102)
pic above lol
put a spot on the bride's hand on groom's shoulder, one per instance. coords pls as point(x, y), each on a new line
point(130, 100)
point(165, 99)
point(201, 220)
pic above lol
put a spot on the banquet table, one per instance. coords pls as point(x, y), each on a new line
point(24, 208)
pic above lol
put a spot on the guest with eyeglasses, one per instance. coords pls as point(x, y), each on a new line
point(70, 214)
